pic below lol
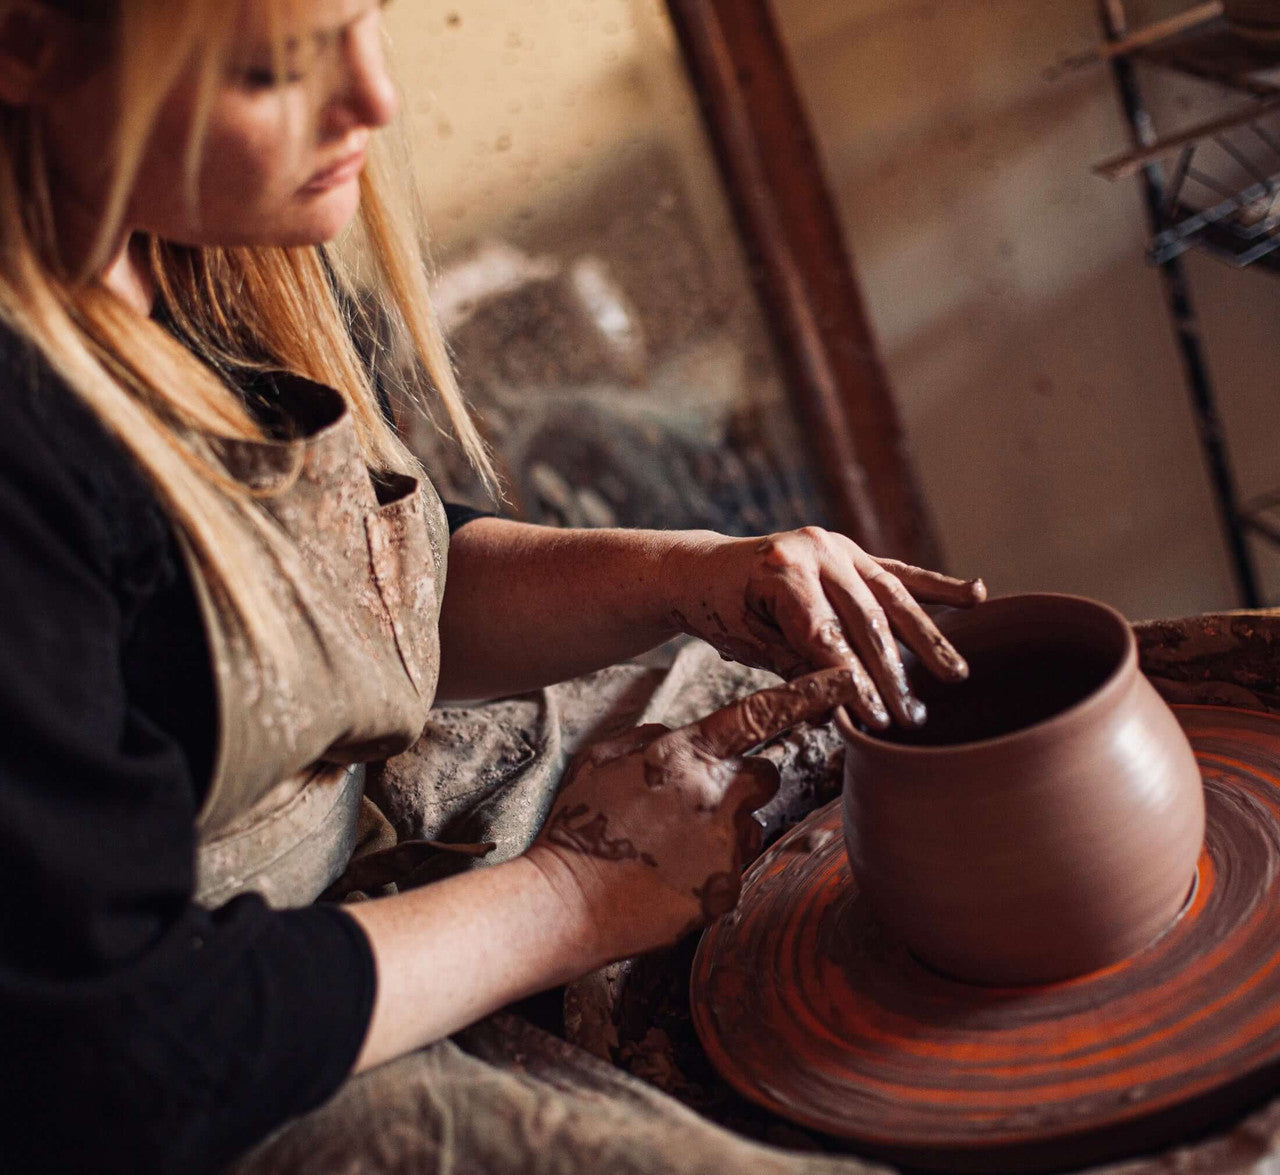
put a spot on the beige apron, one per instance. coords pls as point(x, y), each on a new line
point(359, 578)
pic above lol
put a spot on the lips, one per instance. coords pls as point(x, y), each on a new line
point(346, 168)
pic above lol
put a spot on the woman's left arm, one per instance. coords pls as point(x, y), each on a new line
point(528, 605)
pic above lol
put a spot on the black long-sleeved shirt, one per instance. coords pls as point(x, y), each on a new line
point(138, 1031)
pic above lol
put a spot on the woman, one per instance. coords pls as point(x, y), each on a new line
point(223, 586)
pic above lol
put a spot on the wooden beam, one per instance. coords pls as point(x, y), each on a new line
point(804, 273)
point(1150, 34)
point(1132, 162)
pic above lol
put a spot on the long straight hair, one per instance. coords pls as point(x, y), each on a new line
point(293, 308)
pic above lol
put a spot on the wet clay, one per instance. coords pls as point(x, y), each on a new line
point(1047, 819)
point(854, 1037)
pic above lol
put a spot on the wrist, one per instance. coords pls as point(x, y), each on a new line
point(572, 916)
point(682, 575)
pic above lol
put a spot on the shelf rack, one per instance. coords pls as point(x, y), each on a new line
point(1213, 186)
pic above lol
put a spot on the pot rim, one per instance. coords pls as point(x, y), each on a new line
point(1115, 683)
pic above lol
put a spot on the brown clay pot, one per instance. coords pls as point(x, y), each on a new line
point(1047, 819)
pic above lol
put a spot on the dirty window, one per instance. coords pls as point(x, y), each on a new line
point(588, 273)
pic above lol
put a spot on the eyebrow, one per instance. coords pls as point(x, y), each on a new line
point(323, 37)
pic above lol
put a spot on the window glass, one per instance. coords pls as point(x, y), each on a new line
point(589, 276)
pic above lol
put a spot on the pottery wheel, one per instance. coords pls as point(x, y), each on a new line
point(806, 1007)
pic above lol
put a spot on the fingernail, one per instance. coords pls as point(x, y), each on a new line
point(978, 590)
point(880, 716)
point(915, 710)
point(955, 664)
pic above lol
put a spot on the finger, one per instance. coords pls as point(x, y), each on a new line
point(813, 630)
point(775, 650)
point(932, 587)
point(844, 724)
point(753, 784)
point(868, 627)
point(803, 613)
point(736, 728)
point(790, 666)
point(626, 743)
point(750, 834)
point(719, 894)
point(913, 625)
point(619, 746)
point(869, 705)
point(641, 736)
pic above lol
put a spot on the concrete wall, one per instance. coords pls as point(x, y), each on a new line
point(1024, 331)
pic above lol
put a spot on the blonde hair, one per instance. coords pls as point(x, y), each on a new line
point(294, 308)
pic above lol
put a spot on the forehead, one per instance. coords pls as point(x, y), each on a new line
point(270, 20)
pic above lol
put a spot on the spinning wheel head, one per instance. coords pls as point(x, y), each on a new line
point(810, 1008)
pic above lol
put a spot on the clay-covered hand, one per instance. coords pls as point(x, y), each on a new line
point(809, 599)
point(652, 828)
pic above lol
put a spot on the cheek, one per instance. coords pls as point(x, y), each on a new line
point(249, 168)
point(255, 155)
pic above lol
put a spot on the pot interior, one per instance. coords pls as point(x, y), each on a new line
point(1030, 659)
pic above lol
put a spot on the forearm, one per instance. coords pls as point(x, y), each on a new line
point(450, 953)
point(528, 605)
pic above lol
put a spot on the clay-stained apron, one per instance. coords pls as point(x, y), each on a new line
point(357, 565)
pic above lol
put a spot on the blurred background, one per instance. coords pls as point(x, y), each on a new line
point(596, 295)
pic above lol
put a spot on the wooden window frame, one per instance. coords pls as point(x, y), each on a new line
point(803, 273)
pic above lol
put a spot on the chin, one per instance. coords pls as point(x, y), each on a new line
point(325, 216)
point(308, 220)
point(316, 220)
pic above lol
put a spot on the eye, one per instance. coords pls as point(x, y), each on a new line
point(257, 79)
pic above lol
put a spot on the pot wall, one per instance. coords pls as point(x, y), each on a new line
point(1038, 855)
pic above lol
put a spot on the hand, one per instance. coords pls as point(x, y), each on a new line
point(651, 829)
point(810, 599)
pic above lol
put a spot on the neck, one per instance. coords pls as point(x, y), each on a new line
point(127, 275)
point(129, 278)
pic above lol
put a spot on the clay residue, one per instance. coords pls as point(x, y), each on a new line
point(1223, 659)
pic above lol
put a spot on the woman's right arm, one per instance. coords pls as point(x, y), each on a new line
point(645, 843)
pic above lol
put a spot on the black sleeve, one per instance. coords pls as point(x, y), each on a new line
point(138, 1031)
point(459, 516)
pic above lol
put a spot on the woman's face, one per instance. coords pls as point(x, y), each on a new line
point(282, 148)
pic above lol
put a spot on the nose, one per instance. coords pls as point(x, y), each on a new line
point(368, 97)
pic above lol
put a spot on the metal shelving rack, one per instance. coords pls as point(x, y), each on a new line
point(1214, 186)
